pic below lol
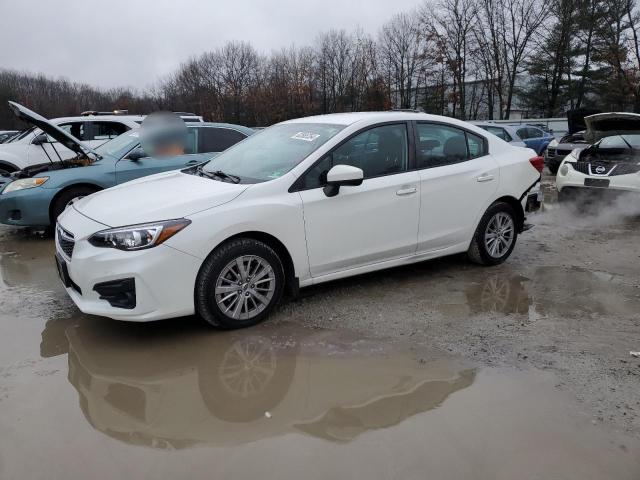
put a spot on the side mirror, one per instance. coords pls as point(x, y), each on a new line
point(342, 175)
point(136, 154)
point(40, 139)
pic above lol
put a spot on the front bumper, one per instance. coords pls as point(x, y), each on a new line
point(27, 208)
point(162, 278)
point(618, 183)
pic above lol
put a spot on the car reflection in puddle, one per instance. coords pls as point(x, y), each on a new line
point(232, 388)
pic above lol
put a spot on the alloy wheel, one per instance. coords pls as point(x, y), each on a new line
point(245, 287)
point(499, 234)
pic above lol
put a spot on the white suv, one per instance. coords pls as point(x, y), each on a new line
point(300, 203)
point(33, 147)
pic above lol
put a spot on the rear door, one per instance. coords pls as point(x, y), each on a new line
point(458, 178)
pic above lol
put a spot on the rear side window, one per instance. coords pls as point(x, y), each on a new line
point(106, 130)
point(475, 145)
point(523, 133)
point(217, 139)
point(439, 145)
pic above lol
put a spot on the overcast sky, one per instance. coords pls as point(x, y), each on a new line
point(132, 42)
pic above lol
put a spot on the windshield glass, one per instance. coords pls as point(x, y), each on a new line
point(272, 152)
point(621, 141)
point(120, 145)
point(22, 134)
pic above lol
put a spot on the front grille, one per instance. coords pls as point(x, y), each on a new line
point(582, 167)
point(625, 169)
point(551, 152)
point(65, 241)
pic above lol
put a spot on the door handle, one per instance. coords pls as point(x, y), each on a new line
point(485, 177)
point(406, 191)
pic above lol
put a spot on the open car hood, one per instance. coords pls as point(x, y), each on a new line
point(609, 124)
point(66, 139)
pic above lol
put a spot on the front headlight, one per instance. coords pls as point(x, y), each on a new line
point(25, 183)
point(138, 237)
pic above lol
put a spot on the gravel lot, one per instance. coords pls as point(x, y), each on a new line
point(528, 361)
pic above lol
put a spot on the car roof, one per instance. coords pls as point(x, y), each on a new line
point(347, 119)
point(85, 118)
point(232, 126)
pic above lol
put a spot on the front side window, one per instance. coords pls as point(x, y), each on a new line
point(534, 132)
point(273, 151)
point(378, 151)
point(217, 139)
point(77, 129)
point(523, 133)
point(106, 130)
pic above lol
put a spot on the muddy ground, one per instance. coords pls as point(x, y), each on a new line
point(437, 370)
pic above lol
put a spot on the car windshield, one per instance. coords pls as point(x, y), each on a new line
point(21, 135)
point(272, 152)
point(120, 145)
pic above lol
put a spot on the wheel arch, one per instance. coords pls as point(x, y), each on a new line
point(291, 280)
point(93, 186)
point(517, 207)
point(8, 165)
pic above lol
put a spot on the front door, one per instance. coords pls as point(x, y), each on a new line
point(369, 223)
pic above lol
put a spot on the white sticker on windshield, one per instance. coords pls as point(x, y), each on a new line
point(306, 136)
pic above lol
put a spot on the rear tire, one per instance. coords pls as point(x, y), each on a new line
point(74, 193)
point(495, 237)
point(239, 284)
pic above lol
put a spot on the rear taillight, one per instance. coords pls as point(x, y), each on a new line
point(538, 163)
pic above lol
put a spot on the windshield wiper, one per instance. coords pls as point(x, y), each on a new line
point(218, 174)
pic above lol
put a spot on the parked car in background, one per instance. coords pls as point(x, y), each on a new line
point(7, 135)
point(558, 149)
point(33, 146)
point(505, 132)
point(297, 204)
point(610, 165)
point(36, 195)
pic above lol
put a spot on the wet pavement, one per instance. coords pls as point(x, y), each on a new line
point(441, 370)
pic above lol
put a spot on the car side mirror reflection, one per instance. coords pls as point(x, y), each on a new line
point(40, 139)
point(137, 154)
point(342, 175)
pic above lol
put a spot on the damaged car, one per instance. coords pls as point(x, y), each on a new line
point(558, 149)
point(610, 165)
point(36, 195)
point(300, 203)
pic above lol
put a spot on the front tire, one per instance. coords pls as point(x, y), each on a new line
point(496, 235)
point(239, 284)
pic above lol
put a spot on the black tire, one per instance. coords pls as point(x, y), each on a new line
point(63, 200)
point(205, 301)
point(478, 252)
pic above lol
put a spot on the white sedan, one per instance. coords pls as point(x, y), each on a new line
point(300, 203)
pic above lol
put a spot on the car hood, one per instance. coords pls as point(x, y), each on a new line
point(609, 124)
point(66, 139)
point(164, 196)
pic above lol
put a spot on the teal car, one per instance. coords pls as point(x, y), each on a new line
point(35, 196)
